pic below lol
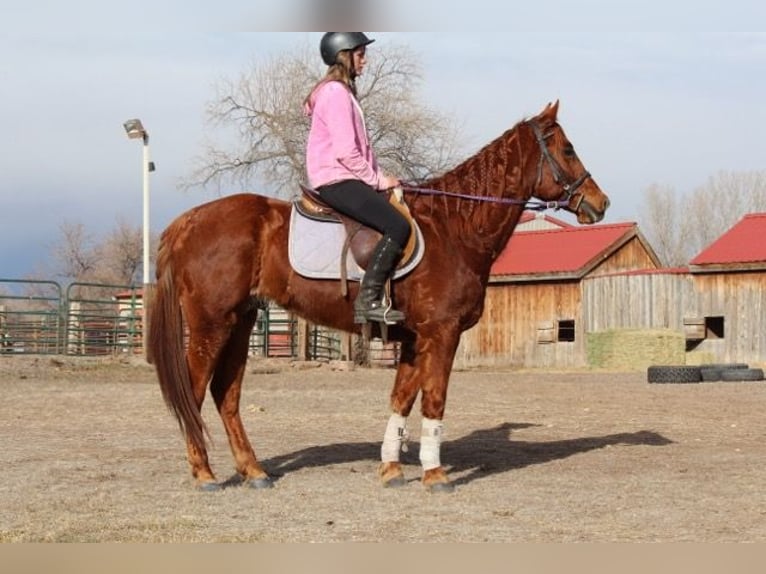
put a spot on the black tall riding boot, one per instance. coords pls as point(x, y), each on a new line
point(368, 305)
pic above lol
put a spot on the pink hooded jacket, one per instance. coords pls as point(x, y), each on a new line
point(338, 145)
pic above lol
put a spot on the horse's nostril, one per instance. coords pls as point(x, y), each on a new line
point(607, 203)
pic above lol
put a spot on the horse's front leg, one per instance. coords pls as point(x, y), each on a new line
point(425, 366)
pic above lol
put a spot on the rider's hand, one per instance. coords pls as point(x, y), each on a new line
point(389, 181)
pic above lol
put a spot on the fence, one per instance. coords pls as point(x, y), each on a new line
point(103, 319)
point(91, 319)
point(30, 317)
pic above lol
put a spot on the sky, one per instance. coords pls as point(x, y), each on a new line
point(650, 92)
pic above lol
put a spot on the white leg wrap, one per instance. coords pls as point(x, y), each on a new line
point(430, 443)
point(395, 438)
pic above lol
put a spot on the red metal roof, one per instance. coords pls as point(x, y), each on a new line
point(562, 251)
point(743, 243)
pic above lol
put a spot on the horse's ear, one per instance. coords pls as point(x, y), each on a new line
point(550, 112)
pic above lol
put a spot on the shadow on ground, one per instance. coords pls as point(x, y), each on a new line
point(479, 454)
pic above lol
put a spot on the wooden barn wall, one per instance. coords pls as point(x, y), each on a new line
point(656, 301)
point(630, 256)
point(740, 298)
point(507, 334)
point(539, 223)
point(660, 301)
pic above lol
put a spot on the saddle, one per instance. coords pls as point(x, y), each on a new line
point(358, 239)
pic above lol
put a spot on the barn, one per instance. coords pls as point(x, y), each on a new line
point(727, 315)
point(533, 314)
point(716, 305)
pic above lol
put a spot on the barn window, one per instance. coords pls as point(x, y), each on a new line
point(566, 330)
point(714, 327)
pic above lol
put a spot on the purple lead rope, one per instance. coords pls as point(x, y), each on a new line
point(532, 204)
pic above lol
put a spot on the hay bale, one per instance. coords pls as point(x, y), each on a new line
point(631, 349)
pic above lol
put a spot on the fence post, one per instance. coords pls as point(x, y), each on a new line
point(346, 346)
point(147, 295)
point(74, 337)
point(3, 334)
point(302, 351)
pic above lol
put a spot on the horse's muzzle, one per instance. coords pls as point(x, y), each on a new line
point(587, 214)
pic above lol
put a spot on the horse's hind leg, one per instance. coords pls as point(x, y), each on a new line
point(226, 388)
point(200, 369)
point(207, 339)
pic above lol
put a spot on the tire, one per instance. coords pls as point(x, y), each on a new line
point(742, 375)
point(673, 374)
point(722, 366)
point(709, 374)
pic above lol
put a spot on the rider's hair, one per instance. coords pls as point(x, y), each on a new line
point(341, 71)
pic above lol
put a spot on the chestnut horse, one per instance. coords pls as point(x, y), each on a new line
point(218, 262)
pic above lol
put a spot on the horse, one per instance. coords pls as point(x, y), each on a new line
point(220, 261)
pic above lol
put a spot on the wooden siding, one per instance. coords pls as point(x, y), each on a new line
point(624, 290)
point(644, 301)
point(521, 316)
point(740, 298)
point(507, 334)
point(632, 255)
point(538, 223)
point(667, 300)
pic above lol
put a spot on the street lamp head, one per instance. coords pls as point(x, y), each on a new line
point(135, 129)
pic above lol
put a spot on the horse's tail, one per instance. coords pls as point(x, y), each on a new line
point(166, 352)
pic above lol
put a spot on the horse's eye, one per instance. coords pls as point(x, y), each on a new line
point(569, 151)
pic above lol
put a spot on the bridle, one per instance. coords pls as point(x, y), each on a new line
point(569, 194)
point(568, 189)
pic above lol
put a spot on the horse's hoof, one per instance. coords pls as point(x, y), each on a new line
point(260, 483)
point(395, 482)
point(391, 475)
point(209, 487)
point(441, 487)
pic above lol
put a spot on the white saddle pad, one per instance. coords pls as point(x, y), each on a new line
point(314, 249)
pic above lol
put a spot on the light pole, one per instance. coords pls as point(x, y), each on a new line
point(135, 130)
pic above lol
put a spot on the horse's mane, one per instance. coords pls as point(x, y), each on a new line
point(487, 172)
point(472, 173)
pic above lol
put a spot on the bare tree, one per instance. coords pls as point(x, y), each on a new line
point(121, 255)
point(662, 225)
point(680, 227)
point(74, 255)
point(114, 259)
point(262, 111)
point(719, 203)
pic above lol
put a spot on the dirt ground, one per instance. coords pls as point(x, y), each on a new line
point(90, 454)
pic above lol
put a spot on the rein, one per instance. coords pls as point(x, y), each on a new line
point(533, 204)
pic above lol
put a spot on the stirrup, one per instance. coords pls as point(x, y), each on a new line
point(387, 315)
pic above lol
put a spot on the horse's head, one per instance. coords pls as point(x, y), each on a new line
point(561, 176)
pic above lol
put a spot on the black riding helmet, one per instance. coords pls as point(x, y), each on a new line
point(334, 42)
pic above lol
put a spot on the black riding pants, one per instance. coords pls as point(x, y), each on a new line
point(361, 202)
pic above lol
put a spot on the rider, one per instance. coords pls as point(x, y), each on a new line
point(342, 167)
